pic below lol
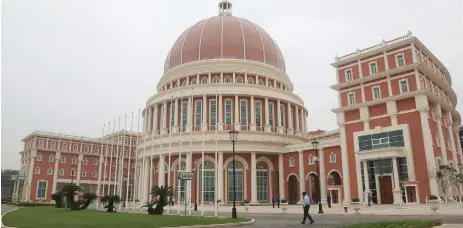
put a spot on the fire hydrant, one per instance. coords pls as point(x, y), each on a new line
point(345, 207)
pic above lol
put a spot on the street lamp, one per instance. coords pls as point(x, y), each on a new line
point(196, 183)
point(233, 137)
point(73, 172)
point(315, 144)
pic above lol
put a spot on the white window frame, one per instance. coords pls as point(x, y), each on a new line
point(292, 162)
point(370, 64)
point(211, 109)
point(397, 60)
point(85, 161)
point(349, 100)
point(84, 173)
point(74, 161)
point(97, 150)
point(65, 146)
point(37, 170)
point(260, 82)
point(75, 148)
point(40, 144)
point(86, 148)
point(52, 145)
point(173, 112)
point(374, 93)
point(61, 172)
point(46, 189)
point(204, 80)
point(333, 157)
point(216, 79)
point(245, 103)
point(51, 158)
point(239, 79)
point(227, 79)
point(49, 171)
point(282, 116)
point(95, 161)
point(39, 157)
point(63, 159)
point(258, 113)
point(250, 81)
point(183, 83)
point(193, 81)
point(230, 114)
point(94, 174)
point(311, 160)
point(198, 113)
point(407, 86)
point(347, 75)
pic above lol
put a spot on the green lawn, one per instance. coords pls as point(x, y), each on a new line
point(397, 224)
point(64, 218)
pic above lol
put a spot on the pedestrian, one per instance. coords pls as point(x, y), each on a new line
point(328, 199)
point(306, 206)
point(369, 200)
point(274, 199)
point(278, 201)
point(410, 197)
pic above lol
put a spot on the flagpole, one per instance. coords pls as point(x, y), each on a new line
point(202, 175)
point(106, 161)
point(180, 156)
point(117, 158)
point(98, 188)
point(216, 160)
point(137, 174)
point(112, 158)
point(129, 155)
point(191, 146)
point(122, 161)
point(170, 151)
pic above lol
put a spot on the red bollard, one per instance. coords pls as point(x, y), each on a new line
point(345, 208)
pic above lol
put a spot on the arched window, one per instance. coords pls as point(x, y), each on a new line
point(95, 161)
point(228, 79)
point(86, 148)
point(291, 162)
point(37, 170)
point(63, 159)
point(204, 80)
point(250, 81)
point(184, 83)
point(74, 148)
point(238, 181)
point(181, 188)
point(209, 181)
point(239, 80)
point(311, 160)
point(84, 173)
point(261, 82)
point(51, 158)
point(193, 81)
point(332, 157)
point(74, 160)
point(216, 79)
point(97, 150)
point(269, 84)
point(94, 174)
point(262, 181)
point(39, 157)
point(49, 171)
point(61, 172)
point(85, 161)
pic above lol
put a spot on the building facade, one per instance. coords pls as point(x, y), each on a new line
point(396, 116)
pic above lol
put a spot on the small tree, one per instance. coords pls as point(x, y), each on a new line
point(70, 191)
point(111, 201)
point(163, 193)
point(456, 180)
point(443, 175)
point(89, 198)
point(58, 198)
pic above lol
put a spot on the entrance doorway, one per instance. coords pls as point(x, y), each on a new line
point(385, 188)
point(292, 189)
point(334, 194)
point(314, 189)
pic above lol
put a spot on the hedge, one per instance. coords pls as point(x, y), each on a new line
point(24, 204)
point(398, 224)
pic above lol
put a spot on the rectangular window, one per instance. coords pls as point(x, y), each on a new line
point(228, 112)
point(172, 114)
point(376, 92)
point(351, 98)
point(244, 112)
point(282, 115)
point(373, 68)
point(349, 76)
point(65, 146)
point(270, 114)
point(258, 112)
point(184, 114)
point(400, 60)
point(40, 144)
point(381, 140)
point(213, 112)
point(403, 86)
point(42, 190)
point(199, 112)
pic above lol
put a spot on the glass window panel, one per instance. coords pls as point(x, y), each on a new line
point(228, 112)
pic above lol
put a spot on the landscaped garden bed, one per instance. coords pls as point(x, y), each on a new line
point(398, 224)
point(52, 217)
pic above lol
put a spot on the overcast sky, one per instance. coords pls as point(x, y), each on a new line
point(71, 66)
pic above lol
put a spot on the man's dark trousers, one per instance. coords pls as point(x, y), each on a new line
point(306, 214)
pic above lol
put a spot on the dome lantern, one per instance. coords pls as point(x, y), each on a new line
point(225, 8)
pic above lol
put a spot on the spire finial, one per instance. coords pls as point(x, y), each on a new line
point(225, 8)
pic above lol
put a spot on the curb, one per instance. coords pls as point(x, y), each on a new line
point(3, 226)
point(251, 221)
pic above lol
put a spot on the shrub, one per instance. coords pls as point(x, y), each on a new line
point(398, 224)
point(433, 197)
point(111, 200)
point(58, 198)
point(162, 193)
point(355, 200)
point(89, 198)
point(150, 206)
point(25, 204)
point(284, 201)
point(246, 201)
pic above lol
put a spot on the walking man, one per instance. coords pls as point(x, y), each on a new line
point(306, 206)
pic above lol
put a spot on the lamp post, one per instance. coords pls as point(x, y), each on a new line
point(315, 144)
point(196, 183)
point(233, 137)
point(73, 172)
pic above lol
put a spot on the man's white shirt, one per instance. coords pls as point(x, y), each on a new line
point(306, 200)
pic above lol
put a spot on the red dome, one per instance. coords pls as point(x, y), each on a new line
point(225, 37)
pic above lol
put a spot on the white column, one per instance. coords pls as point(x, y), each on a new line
point(298, 129)
point(237, 113)
point(220, 114)
point(155, 120)
point(29, 178)
point(146, 180)
point(459, 149)
point(79, 166)
point(322, 175)
point(452, 140)
point(55, 171)
point(189, 166)
point(150, 118)
point(290, 130)
point(145, 120)
point(397, 192)
point(301, 118)
point(204, 127)
point(367, 182)
point(428, 149)
point(164, 117)
point(267, 123)
point(220, 177)
point(301, 174)
point(281, 178)
point(443, 146)
point(189, 123)
point(161, 170)
point(345, 164)
point(253, 178)
point(15, 188)
point(253, 114)
point(279, 128)
point(305, 122)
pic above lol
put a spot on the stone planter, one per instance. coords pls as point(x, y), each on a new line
point(356, 206)
point(433, 205)
point(284, 207)
point(246, 207)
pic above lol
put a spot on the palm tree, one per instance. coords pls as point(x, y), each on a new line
point(163, 193)
point(70, 190)
point(110, 200)
point(89, 198)
point(58, 198)
point(150, 206)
